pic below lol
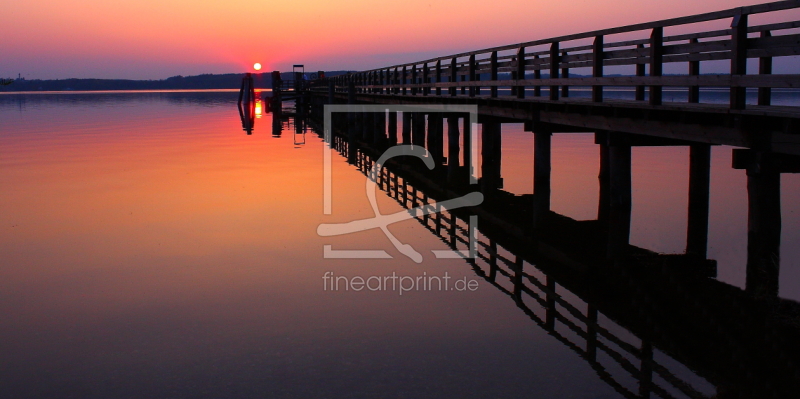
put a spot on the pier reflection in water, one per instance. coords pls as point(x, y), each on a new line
point(572, 277)
point(150, 248)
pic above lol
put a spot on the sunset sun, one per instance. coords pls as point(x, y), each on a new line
point(257, 66)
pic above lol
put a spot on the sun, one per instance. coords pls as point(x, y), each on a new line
point(257, 66)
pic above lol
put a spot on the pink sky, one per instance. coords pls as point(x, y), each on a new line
point(149, 39)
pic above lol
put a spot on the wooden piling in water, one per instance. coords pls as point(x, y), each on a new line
point(541, 174)
point(763, 227)
point(699, 183)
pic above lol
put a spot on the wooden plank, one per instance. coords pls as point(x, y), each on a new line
point(774, 81)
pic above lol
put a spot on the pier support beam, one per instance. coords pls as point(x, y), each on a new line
point(406, 128)
point(763, 227)
point(699, 181)
point(467, 145)
point(392, 128)
point(453, 149)
point(619, 215)
point(491, 139)
point(379, 128)
point(604, 177)
point(542, 139)
point(435, 139)
point(418, 128)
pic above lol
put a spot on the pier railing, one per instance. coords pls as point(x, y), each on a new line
point(532, 69)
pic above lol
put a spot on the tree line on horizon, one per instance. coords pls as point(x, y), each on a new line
point(197, 82)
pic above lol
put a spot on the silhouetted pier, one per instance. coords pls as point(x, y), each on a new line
point(744, 341)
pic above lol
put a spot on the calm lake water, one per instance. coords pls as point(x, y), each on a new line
point(149, 247)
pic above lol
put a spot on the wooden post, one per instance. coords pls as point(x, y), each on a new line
point(425, 79)
point(392, 128)
point(438, 76)
point(414, 79)
point(453, 75)
point(763, 227)
point(379, 128)
point(406, 127)
point(467, 145)
point(564, 74)
point(491, 139)
point(699, 182)
point(694, 70)
point(367, 126)
point(493, 90)
point(352, 127)
point(640, 69)
point(554, 56)
point(656, 62)
point(521, 71)
point(541, 175)
point(765, 68)
point(619, 221)
point(471, 68)
point(537, 74)
point(434, 138)
point(403, 79)
point(597, 68)
point(418, 128)
point(739, 58)
point(604, 177)
point(452, 149)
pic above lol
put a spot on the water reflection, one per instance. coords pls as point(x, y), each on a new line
point(574, 277)
point(150, 250)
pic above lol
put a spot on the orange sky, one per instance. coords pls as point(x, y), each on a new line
point(149, 39)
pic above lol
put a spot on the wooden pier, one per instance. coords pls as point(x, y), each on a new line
point(534, 81)
point(741, 340)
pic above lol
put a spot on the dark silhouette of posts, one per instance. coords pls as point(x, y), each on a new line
point(418, 128)
point(491, 140)
point(467, 145)
point(379, 128)
point(763, 226)
point(699, 181)
point(765, 68)
point(542, 138)
point(352, 127)
point(247, 101)
point(453, 149)
point(406, 128)
point(435, 137)
point(656, 62)
point(392, 128)
point(604, 177)
point(619, 171)
point(739, 58)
